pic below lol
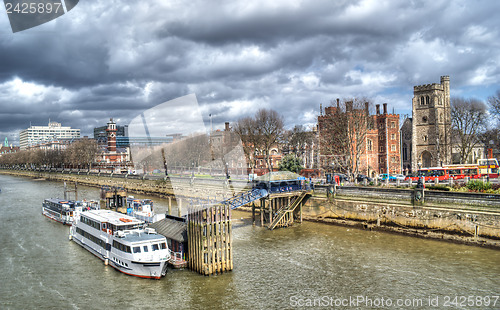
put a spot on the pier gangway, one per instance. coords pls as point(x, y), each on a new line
point(245, 198)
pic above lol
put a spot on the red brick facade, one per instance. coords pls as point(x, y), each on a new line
point(381, 148)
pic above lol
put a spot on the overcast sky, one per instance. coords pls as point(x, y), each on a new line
point(112, 58)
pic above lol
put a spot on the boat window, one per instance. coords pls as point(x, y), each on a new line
point(155, 247)
point(137, 249)
point(145, 248)
point(163, 245)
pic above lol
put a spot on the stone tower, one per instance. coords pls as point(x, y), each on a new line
point(431, 123)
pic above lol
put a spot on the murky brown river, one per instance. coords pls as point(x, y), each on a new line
point(307, 265)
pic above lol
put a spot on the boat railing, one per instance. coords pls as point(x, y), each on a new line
point(175, 257)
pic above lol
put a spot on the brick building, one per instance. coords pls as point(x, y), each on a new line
point(113, 154)
point(380, 148)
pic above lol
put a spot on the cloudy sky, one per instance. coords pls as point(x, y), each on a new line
point(117, 58)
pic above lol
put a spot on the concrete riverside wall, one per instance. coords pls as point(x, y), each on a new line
point(431, 197)
point(392, 211)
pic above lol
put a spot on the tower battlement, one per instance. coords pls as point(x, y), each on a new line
point(428, 87)
point(445, 80)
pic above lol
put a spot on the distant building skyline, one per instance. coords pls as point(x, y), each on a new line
point(40, 134)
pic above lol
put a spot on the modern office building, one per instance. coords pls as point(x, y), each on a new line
point(101, 135)
point(41, 134)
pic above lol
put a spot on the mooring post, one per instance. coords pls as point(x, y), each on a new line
point(271, 207)
point(253, 214)
point(262, 205)
point(179, 207)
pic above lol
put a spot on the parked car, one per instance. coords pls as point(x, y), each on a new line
point(385, 176)
point(400, 177)
point(361, 177)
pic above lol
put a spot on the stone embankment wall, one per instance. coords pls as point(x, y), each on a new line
point(159, 187)
point(461, 217)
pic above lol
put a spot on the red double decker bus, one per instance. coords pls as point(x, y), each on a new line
point(484, 167)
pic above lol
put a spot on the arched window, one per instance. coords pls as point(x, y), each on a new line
point(405, 152)
point(427, 100)
point(422, 100)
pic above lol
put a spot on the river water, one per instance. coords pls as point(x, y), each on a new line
point(310, 264)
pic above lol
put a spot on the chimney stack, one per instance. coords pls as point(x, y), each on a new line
point(348, 106)
point(338, 103)
point(227, 126)
point(377, 106)
point(366, 109)
point(385, 108)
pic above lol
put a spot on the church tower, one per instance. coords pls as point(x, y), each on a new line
point(431, 123)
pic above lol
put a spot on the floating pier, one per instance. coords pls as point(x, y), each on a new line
point(114, 198)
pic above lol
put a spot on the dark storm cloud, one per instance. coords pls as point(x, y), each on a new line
point(116, 59)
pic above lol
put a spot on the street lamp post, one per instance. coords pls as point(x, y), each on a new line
point(419, 164)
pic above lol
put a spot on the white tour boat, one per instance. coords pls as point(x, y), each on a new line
point(122, 242)
point(65, 211)
point(142, 209)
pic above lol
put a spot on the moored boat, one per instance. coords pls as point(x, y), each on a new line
point(122, 242)
point(65, 211)
point(143, 210)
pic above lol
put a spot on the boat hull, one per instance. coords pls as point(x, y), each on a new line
point(55, 216)
point(143, 269)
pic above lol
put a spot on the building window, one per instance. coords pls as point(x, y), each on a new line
point(405, 152)
point(369, 144)
point(393, 159)
point(427, 100)
point(393, 147)
point(393, 136)
point(393, 124)
point(425, 138)
point(381, 160)
point(422, 100)
point(424, 119)
point(381, 149)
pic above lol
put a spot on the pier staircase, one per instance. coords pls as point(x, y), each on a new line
point(284, 216)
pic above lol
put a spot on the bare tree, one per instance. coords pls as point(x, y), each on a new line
point(494, 103)
point(270, 127)
point(249, 135)
point(298, 141)
point(468, 122)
